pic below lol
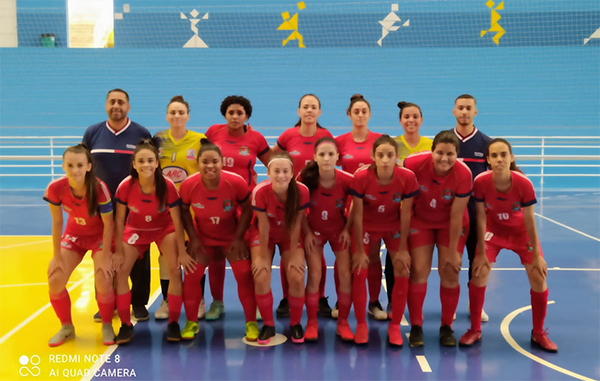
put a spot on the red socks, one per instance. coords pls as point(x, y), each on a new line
point(123, 303)
point(216, 278)
point(312, 303)
point(106, 305)
point(344, 303)
point(323, 276)
point(245, 286)
point(375, 275)
point(359, 295)
point(449, 298)
point(62, 306)
point(476, 299)
point(175, 302)
point(539, 304)
point(192, 293)
point(416, 298)
point(399, 296)
point(296, 305)
point(265, 306)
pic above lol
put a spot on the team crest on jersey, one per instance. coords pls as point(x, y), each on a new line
point(244, 151)
point(397, 197)
point(227, 205)
point(198, 205)
point(191, 154)
point(294, 153)
point(133, 209)
point(421, 187)
point(447, 194)
point(339, 203)
point(516, 206)
point(370, 197)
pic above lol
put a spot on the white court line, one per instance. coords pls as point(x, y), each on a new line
point(505, 329)
point(424, 364)
point(27, 284)
point(38, 312)
point(568, 227)
point(110, 350)
point(25, 244)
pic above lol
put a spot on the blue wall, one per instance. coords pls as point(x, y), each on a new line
point(35, 17)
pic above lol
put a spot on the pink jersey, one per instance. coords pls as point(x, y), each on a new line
point(301, 148)
point(215, 211)
point(327, 206)
point(354, 155)
point(79, 223)
point(504, 210)
point(381, 211)
point(239, 152)
point(265, 200)
point(434, 202)
point(143, 208)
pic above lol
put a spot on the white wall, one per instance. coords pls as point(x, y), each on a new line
point(8, 24)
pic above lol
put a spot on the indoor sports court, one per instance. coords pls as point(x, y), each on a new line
point(537, 85)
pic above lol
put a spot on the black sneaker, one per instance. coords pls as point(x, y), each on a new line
point(297, 334)
point(324, 309)
point(97, 317)
point(265, 334)
point(125, 334)
point(173, 332)
point(283, 310)
point(447, 338)
point(416, 336)
point(140, 313)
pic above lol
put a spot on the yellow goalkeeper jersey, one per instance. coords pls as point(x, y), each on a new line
point(178, 157)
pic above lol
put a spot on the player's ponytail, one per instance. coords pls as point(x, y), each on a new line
point(159, 180)
point(355, 99)
point(513, 164)
point(310, 173)
point(299, 122)
point(91, 182)
point(402, 105)
point(207, 145)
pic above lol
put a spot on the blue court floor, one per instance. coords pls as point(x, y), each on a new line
point(569, 229)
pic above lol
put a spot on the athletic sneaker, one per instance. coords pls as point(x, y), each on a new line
point(297, 334)
point(312, 330)
point(394, 335)
point(484, 317)
point(265, 334)
point(252, 331)
point(377, 311)
point(173, 332)
point(362, 333)
point(343, 331)
point(140, 313)
point(189, 330)
point(283, 310)
point(324, 309)
point(201, 309)
point(108, 334)
point(65, 333)
point(335, 312)
point(415, 339)
point(162, 313)
point(125, 334)
point(217, 308)
point(447, 338)
point(469, 338)
point(541, 340)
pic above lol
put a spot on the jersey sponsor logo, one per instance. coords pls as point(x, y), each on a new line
point(478, 154)
point(358, 148)
point(163, 209)
point(396, 235)
point(448, 194)
point(347, 156)
point(130, 146)
point(396, 197)
point(421, 187)
point(413, 231)
point(70, 238)
point(227, 205)
point(270, 215)
point(516, 206)
point(501, 199)
point(198, 205)
point(133, 209)
point(244, 151)
point(175, 174)
point(66, 208)
point(308, 143)
point(160, 153)
point(339, 203)
point(370, 197)
point(488, 206)
point(191, 154)
point(294, 153)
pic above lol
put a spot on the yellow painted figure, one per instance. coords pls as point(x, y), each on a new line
point(291, 23)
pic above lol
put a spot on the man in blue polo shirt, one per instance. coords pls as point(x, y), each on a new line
point(472, 148)
point(112, 143)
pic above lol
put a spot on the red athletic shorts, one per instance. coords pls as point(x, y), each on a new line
point(520, 244)
point(422, 236)
point(282, 241)
point(370, 238)
point(81, 244)
point(141, 239)
point(332, 238)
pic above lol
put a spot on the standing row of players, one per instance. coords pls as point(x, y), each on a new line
point(410, 208)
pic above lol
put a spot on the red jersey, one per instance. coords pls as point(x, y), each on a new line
point(143, 208)
point(301, 148)
point(381, 211)
point(504, 210)
point(327, 206)
point(215, 211)
point(239, 152)
point(79, 223)
point(265, 200)
point(354, 155)
point(434, 202)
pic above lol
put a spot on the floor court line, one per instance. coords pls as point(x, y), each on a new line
point(25, 244)
point(424, 364)
point(38, 312)
point(568, 227)
point(505, 329)
point(27, 284)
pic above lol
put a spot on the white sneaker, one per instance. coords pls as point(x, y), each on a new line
point(377, 311)
point(484, 317)
point(162, 313)
point(202, 309)
point(454, 317)
point(335, 311)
